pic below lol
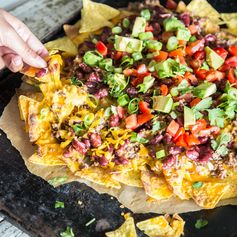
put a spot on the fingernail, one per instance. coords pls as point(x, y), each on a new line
point(41, 63)
point(17, 61)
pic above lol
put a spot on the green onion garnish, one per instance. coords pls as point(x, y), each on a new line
point(137, 56)
point(123, 100)
point(116, 30)
point(172, 43)
point(126, 22)
point(153, 44)
point(145, 35)
point(146, 14)
point(133, 105)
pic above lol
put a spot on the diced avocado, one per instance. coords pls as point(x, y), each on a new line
point(164, 69)
point(204, 90)
point(139, 26)
point(189, 117)
point(172, 24)
point(127, 44)
point(213, 59)
point(162, 103)
point(183, 34)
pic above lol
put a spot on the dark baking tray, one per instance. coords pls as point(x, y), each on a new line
point(28, 201)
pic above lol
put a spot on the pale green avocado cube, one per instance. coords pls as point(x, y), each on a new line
point(213, 59)
point(189, 117)
point(205, 90)
point(183, 34)
point(139, 26)
point(162, 103)
point(126, 44)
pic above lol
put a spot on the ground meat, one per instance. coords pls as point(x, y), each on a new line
point(85, 68)
point(167, 139)
point(156, 140)
point(231, 159)
point(95, 139)
point(69, 152)
point(187, 98)
point(128, 150)
point(175, 150)
point(169, 161)
point(205, 154)
point(193, 153)
point(132, 91)
point(114, 120)
point(94, 77)
point(203, 140)
point(103, 92)
point(168, 81)
point(79, 146)
point(79, 75)
point(92, 87)
point(219, 171)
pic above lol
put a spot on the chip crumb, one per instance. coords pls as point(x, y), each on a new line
point(122, 206)
point(80, 202)
point(111, 198)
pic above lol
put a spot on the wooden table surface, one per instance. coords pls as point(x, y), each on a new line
point(44, 18)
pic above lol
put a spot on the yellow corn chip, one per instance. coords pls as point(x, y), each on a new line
point(177, 224)
point(127, 229)
point(99, 176)
point(231, 21)
point(47, 160)
point(155, 186)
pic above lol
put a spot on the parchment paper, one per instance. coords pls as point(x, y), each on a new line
point(132, 198)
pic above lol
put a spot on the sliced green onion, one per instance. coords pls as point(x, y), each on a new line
point(173, 115)
point(123, 100)
point(153, 44)
point(200, 223)
point(67, 233)
point(160, 154)
point(192, 38)
point(151, 66)
point(126, 22)
point(107, 112)
point(118, 70)
point(152, 55)
point(137, 56)
point(136, 138)
point(57, 180)
point(126, 61)
point(172, 43)
point(92, 58)
point(146, 14)
point(106, 64)
point(145, 35)
point(95, 100)
point(197, 184)
point(89, 118)
point(116, 30)
point(59, 204)
point(78, 128)
point(174, 91)
point(94, 41)
point(133, 105)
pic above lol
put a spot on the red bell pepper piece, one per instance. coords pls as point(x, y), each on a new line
point(194, 47)
point(179, 133)
point(233, 50)
point(162, 56)
point(131, 122)
point(191, 140)
point(144, 107)
point(177, 53)
point(143, 118)
point(141, 69)
point(136, 81)
point(129, 72)
point(214, 75)
point(195, 102)
point(200, 55)
point(200, 125)
point(181, 142)
point(221, 52)
point(232, 61)
point(231, 76)
point(149, 28)
point(172, 128)
point(201, 73)
point(164, 89)
point(101, 48)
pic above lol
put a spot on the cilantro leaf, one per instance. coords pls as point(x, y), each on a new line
point(216, 117)
point(200, 223)
point(204, 104)
point(59, 204)
point(57, 181)
point(220, 144)
point(155, 126)
point(197, 184)
point(135, 137)
point(147, 84)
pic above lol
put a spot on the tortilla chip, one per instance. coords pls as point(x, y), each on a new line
point(177, 224)
point(181, 7)
point(63, 44)
point(157, 226)
point(130, 178)
point(46, 160)
point(202, 8)
point(127, 229)
point(23, 104)
point(100, 176)
point(209, 194)
point(231, 21)
point(155, 186)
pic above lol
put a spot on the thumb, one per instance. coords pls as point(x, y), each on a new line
point(13, 62)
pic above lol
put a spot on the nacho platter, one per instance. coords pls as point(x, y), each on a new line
point(147, 174)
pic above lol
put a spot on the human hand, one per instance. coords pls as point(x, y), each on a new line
point(18, 45)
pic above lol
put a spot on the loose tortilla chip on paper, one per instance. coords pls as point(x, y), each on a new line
point(130, 178)
point(127, 229)
point(209, 194)
point(46, 160)
point(231, 21)
point(99, 176)
point(63, 44)
point(155, 186)
point(202, 8)
point(177, 224)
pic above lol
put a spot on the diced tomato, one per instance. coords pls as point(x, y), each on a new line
point(121, 111)
point(232, 61)
point(141, 69)
point(201, 73)
point(131, 122)
point(144, 107)
point(136, 81)
point(181, 142)
point(101, 48)
point(117, 55)
point(200, 55)
point(177, 53)
point(214, 75)
point(129, 72)
point(208, 131)
point(191, 140)
point(195, 102)
point(171, 4)
point(172, 128)
point(182, 60)
point(179, 133)
point(164, 89)
point(193, 29)
point(195, 46)
point(182, 42)
point(233, 50)
point(191, 77)
point(196, 63)
point(231, 76)
point(162, 56)
point(149, 28)
point(143, 118)
point(224, 68)
point(200, 125)
point(221, 52)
